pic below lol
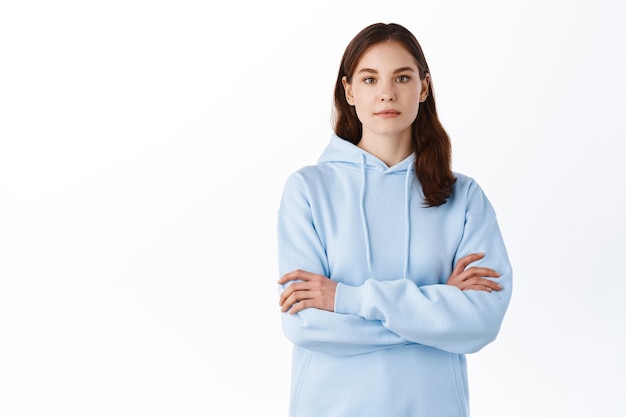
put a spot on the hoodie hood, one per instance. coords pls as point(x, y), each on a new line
point(342, 152)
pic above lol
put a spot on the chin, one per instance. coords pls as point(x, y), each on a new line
point(392, 131)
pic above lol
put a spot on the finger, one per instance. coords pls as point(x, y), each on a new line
point(479, 288)
point(465, 261)
point(296, 275)
point(290, 276)
point(284, 295)
point(292, 288)
point(476, 272)
point(483, 272)
point(301, 306)
point(483, 282)
point(295, 298)
point(302, 299)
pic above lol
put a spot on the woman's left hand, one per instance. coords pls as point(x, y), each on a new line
point(311, 291)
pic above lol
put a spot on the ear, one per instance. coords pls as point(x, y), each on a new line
point(425, 83)
point(347, 88)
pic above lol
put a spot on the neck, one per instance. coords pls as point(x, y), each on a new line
point(391, 149)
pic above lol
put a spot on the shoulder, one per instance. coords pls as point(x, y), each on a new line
point(462, 180)
point(468, 191)
point(304, 175)
point(301, 186)
point(311, 175)
point(464, 186)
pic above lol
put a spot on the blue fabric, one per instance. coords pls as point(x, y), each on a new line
point(396, 342)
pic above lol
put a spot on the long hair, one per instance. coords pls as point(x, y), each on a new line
point(431, 143)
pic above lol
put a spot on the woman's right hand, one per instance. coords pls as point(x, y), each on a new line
point(473, 278)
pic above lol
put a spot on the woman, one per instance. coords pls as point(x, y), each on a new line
point(393, 267)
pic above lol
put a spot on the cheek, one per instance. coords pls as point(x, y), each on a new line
point(412, 110)
point(360, 113)
point(362, 103)
point(361, 95)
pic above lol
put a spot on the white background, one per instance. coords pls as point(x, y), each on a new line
point(143, 149)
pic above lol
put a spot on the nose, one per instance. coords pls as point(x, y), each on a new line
point(387, 93)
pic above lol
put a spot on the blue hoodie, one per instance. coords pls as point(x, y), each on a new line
point(395, 345)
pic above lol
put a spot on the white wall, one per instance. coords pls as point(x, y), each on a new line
point(143, 148)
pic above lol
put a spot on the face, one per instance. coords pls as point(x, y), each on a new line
point(386, 90)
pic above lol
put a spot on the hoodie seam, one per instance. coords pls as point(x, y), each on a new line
point(298, 390)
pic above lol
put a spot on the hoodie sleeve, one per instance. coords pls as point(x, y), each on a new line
point(299, 247)
point(442, 315)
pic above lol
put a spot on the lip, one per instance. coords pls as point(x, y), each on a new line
point(388, 113)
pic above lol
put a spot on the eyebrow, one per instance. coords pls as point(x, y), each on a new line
point(373, 71)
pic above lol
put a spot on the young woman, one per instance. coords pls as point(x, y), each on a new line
point(393, 266)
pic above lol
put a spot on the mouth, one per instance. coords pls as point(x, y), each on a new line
point(387, 113)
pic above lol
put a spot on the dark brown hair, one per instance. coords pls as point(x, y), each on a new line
point(431, 143)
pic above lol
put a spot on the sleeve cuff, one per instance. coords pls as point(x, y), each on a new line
point(350, 300)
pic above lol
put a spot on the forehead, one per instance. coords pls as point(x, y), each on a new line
point(384, 55)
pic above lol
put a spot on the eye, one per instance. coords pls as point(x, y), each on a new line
point(369, 80)
point(403, 78)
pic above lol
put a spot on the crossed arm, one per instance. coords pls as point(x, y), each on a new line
point(309, 290)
